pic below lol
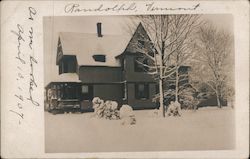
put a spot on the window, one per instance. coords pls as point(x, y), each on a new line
point(141, 64)
point(99, 58)
point(68, 91)
point(67, 64)
point(87, 92)
point(141, 91)
point(141, 44)
point(85, 89)
point(63, 67)
point(71, 92)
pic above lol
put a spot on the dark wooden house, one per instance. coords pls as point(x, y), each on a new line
point(105, 66)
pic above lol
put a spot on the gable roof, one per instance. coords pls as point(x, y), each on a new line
point(85, 45)
point(140, 34)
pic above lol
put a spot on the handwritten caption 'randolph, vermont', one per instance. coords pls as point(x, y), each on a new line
point(121, 7)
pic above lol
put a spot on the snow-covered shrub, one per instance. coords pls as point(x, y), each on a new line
point(174, 109)
point(127, 115)
point(98, 106)
point(189, 102)
point(188, 98)
point(111, 111)
point(107, 110)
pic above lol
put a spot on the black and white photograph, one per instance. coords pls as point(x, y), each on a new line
point(125, 79)
point(120, 83)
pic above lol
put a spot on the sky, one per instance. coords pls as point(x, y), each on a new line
point(110, 25)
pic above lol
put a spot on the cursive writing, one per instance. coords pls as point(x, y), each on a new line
point(74, 7)
point(19, 33)
point(31, 37)
point(32, 60)
point(17, 110)
point(32, 82)
point(153, 7)
point(25, 53)
point(32, 12)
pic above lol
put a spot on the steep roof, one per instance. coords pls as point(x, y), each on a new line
point(85, 45)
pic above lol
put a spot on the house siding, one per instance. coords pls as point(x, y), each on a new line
point(109, 92)
point(130, 75)
point(105, 92)
point(138, 103)
point(95, 74)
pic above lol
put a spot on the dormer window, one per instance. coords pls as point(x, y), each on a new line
point(141, 44)
point(99, 58)
point(67, 64)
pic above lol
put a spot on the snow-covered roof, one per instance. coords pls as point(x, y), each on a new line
point(85, 45)
point(67, 77)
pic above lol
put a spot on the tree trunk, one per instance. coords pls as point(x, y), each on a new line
point(218, 100)
point(161, 97)
point(177, 84)
point(161, 80)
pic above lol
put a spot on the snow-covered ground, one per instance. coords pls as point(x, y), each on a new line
point(205, 129)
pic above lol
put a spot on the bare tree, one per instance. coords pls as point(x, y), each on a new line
point(183, 54)
point(168, 34)
point(213, 63)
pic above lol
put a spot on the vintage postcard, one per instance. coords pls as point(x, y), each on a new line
point(124, 79)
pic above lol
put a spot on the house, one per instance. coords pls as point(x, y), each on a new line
point(103, 65)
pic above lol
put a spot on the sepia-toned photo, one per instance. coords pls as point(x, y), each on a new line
point(139, 83)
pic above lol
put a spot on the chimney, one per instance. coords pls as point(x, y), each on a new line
point(99, 29)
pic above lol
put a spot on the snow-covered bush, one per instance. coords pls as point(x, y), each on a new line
point(98, 106)
point(174, 109)
point(111, 111)
point(127, 115)
point(188, 101)
point(107, 110)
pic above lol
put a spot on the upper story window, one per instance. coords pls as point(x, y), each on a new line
point(141, 91)
point(141, 64)
point(141, 44)
point(67, 64)
point(63, 67)
point(99, 58)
